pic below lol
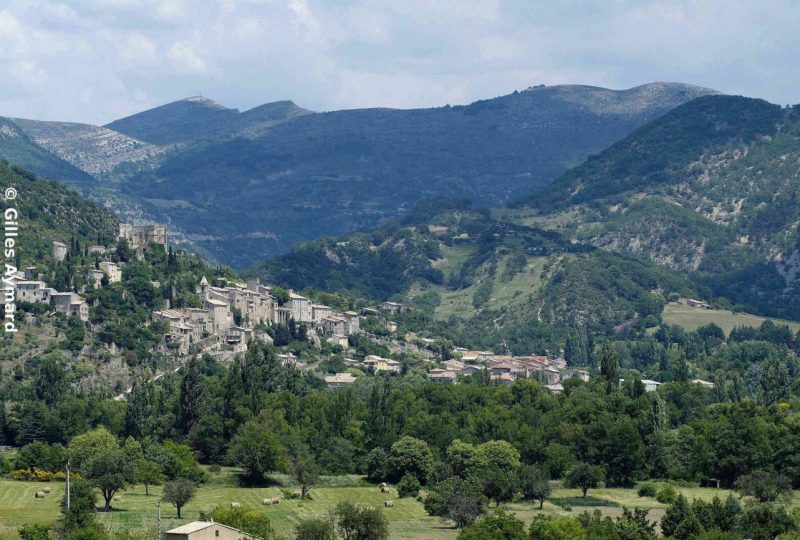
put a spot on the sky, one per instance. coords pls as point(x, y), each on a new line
point(97, 60)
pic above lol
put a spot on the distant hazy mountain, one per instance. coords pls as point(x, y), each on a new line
point(252, 194)
point(18, 148)
point(197, 118)
point(245, 185)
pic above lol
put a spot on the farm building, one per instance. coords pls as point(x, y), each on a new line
point(207, 530)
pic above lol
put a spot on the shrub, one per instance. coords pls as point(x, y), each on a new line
point(315, 529)
point(35, 475)
point(290, 494)
point(408, 486)
point(667, 494)
point(557, 528)
point(34, 532)
point(356, 521)
point(647, 490)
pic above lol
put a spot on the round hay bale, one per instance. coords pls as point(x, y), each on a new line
point(266, 501)
point(46, 490)
point(39, 495)
point(388, 504)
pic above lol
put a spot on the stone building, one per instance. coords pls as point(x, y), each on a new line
point(207, 530)
point(112, 270)
point(59, 251)
point(139, 237)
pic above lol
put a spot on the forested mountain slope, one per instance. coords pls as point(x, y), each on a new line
point(712, 188)
point(49, 211)
point(246, 197)
point(240, 186)
point(197, 118)
point(481, 280)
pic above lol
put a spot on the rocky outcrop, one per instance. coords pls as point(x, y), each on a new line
point(93, 149)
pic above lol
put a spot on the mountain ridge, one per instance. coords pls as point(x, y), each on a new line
point(334, 172)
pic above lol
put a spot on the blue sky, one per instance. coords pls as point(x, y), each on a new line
point(97, 60)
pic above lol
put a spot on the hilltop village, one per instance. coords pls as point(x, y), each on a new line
point(233, 314)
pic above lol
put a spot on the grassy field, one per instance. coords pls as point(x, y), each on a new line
point(693, 317)
point(532, 218)
point(504, 293)
point(137, 512)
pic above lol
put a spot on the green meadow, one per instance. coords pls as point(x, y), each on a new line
point(137, 512)
point(691, 318)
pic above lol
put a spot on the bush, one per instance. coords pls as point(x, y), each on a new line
point(647, 490)
point(667, 494)
point(356, 521)
point(35, 475)
point(290, 494)
point(408, 486)
point(34, 532)
point(315, 529)
point(375, 465)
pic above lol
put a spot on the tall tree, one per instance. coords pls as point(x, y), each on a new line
point(50, 381)
point(609, 366)
point(257, 447)
point(190, 396)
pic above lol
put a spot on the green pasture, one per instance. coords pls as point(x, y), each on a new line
point(137, 512)
point(691, 318)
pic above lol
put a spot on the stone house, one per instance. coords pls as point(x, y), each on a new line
point(550, 376)
point(33, 291)
point(392, 307)
point(95, 277)
point(320, 312)
point(340, 379)
point(353, 322)
point(382, 364)
point(207, 530)
point(569, 373)
point(442, 376)
point(299, 308)
point(112, 270)
point(59, 251)
point(70, 303)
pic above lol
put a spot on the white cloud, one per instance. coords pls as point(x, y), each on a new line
point(96, 60)
point(185, 59)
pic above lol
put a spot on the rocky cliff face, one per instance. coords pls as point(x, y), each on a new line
point(96, 150)
point(18, 148)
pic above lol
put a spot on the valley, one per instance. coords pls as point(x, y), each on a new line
point(576, 361)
